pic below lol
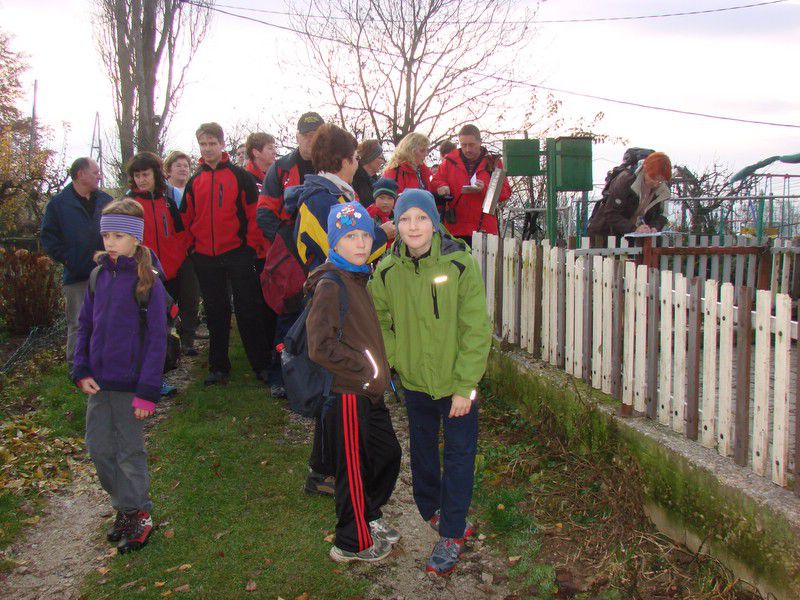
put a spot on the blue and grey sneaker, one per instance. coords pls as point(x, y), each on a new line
point(381, 529)
point(444, 556)
point(379, 550)
point(469, 528)
point(167, 390)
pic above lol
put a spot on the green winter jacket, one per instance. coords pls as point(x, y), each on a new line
point(433, 317)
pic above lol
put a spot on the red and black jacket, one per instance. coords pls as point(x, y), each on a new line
point(164, 232)
point(258, 174)
point(262, 243)
point(469, 207)
point(285, 172)
point(406, 176)
point(219, 208)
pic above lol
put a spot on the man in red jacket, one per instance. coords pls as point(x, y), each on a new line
point(287, 171)
point(261, 154)
point(219, 213)
point(464, 174)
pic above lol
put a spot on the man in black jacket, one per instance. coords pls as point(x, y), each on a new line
point(70, 234)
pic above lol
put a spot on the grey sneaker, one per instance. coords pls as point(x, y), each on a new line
point(444, 556)
point(319, 484)
point(379, 550)
point(469, 528)
point(381, 529)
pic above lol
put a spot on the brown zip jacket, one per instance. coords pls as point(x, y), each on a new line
point(348, 360)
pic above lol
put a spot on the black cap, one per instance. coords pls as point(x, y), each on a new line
point(309, 122)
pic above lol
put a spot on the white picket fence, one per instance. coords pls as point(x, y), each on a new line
point(663, 344)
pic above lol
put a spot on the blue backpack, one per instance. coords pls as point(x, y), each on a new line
point(307, 384)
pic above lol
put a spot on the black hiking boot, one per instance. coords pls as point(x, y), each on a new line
point(319, 484)
point(115, 532)
point(215, 377)
point(136, 535)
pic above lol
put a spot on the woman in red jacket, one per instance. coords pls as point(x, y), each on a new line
point(407, 165)
point(164, 233)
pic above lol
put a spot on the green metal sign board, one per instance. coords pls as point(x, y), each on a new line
point(522, 157)
point(573, 171)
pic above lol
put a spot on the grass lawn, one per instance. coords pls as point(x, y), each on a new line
point(227, 489)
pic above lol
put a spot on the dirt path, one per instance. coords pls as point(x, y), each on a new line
point(57, 553)
point(481, 573)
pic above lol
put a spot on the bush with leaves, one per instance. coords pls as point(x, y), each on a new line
point(29, 290)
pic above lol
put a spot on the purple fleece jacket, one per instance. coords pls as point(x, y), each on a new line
point(111, 346)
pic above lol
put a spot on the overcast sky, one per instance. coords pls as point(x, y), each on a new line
point(740, 63)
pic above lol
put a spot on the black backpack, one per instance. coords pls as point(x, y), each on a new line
point(307, 384)
point(173, 341)
point(630, 160)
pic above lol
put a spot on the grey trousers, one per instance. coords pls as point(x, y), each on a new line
point(73, 301)
point(115, 441)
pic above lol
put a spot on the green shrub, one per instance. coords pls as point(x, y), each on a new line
point(30, 293)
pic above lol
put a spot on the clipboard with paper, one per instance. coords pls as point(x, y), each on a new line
point(493, 190)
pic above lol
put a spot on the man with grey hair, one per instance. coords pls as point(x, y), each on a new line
point(70, 234)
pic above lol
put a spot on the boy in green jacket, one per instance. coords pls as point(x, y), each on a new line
point(431, 304)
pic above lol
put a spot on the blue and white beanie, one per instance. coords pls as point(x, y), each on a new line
point(344, 218)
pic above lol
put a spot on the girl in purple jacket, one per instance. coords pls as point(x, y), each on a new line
point(119, 362)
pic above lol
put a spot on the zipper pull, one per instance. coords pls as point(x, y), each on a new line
point(166, 229)
point(220, 195)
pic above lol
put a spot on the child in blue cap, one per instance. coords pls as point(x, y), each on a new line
point(357, 428)
point(431, 305)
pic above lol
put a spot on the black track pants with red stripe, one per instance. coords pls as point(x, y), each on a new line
point(367, 466)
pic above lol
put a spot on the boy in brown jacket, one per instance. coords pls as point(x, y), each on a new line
point(361, 443)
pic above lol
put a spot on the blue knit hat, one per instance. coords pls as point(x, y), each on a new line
point(417, 198)
point(385, 185)
point(344, 218)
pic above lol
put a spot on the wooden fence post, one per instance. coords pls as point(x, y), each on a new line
point(538, 265)
point(693, 360)
point(617, 329)
point(640, 403)
point(761, 389)
point(569, 325)
point(588, 315)
point(797, 429)
point(744, 337)
point(498, 288)
point(560, 307)
point(652, 344)
point(679, 369)
point(665, 350)
point(597, 322)
point(782, 362)
point(708, 401)
point(578, 314)
point(608, 322)
point(518, 292)
point(725, 438)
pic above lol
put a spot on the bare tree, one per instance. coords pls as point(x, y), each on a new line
point(147, 47)
point(396, 66)
point(715, 199)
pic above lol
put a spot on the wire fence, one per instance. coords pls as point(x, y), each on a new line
point(38, 339)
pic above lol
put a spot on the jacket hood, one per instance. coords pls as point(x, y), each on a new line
point(442, 244)
point(295, 195)
point(316, 275)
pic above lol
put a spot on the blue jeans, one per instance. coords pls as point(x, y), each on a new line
point(448, 489)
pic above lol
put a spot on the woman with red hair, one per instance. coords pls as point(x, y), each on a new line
point(634, 199)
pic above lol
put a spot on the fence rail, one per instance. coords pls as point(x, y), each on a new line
point(711, 358)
